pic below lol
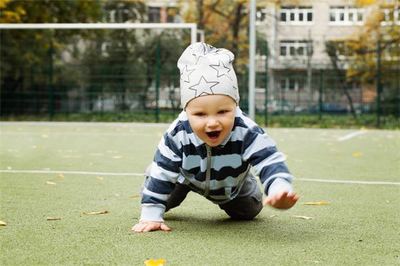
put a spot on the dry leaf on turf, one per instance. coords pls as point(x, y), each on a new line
point(50, 183)
point(95, 213)
point(317, 203)
point(53, 218)
point(302, 217)
point(3, 223)
point(153, 262)
point(357, 154)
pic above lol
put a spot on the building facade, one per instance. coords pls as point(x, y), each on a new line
point(298, 64)
point(299, 71)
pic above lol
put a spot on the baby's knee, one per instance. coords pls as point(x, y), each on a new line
point(243, 209)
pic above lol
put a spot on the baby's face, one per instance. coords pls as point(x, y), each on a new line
point(212, 117)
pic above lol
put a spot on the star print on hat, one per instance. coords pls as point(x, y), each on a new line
point(206, 70)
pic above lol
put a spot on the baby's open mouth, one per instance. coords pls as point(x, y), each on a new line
point(213, 134)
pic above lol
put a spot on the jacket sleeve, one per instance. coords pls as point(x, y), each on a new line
point(268, 163)
point(160, 180)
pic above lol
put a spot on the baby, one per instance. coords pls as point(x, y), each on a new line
point(211, 146)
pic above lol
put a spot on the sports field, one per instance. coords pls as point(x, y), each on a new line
point(70, 193)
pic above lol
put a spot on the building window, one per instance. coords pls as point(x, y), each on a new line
point(294, 48)
point(261, 14)
point(392, 52)
point(296, 15)
point(341, 49)
point(154, 14)
point(343, 15)
point(173, 15)
point(292, 83)
point(391, 16)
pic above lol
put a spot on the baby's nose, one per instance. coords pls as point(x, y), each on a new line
point(212, 122)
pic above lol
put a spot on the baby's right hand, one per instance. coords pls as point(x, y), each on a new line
point(147, 226)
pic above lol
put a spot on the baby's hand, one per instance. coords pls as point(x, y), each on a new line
point(283, 200)
point(147, 226)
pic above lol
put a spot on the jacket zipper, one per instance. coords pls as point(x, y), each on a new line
point(208, 172)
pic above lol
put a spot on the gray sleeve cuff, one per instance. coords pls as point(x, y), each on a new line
point(152, 212)
point(279, 185)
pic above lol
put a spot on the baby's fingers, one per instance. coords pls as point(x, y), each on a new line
point(138, 227)
point(293, 196)
point(151, 227)
point(164, 227)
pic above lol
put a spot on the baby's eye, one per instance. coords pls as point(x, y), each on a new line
point(199, 114)
point(222, 112)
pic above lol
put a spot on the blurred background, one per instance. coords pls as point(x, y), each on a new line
point(318, 63)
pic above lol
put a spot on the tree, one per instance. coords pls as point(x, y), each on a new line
point(169, 49)
point(373, 53)
point(27, 54)
point(101, 63)
point(225, 24)
point(111, 57)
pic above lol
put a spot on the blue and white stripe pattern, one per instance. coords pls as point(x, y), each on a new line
point(182, 157)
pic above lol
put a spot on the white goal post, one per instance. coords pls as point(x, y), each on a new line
point(191, 26)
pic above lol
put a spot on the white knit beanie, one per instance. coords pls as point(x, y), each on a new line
point(206, 70)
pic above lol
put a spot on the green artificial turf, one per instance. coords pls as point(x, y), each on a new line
point(359, 226)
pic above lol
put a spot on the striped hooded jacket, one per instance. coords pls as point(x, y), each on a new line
point(217, 173)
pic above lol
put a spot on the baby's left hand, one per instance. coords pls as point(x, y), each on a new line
point(283, 200)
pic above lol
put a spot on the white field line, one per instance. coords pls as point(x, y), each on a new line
point(68, 172)
point(352, 135)
point(357, 182)
point(65, 133)
point(84, 124)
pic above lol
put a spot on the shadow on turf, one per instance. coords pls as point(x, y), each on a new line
point(284, 229)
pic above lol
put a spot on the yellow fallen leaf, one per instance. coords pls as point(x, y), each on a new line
point(50, 183)
point(316, 203)
point(61, 176)
point(357, 154)
point(99, 178)
point(302, 217)
point(134, 196)
point(95, 213)
point(3, 223)
point(53, 218)
point(155, 262)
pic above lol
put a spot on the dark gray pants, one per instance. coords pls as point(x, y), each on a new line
point(245, 206)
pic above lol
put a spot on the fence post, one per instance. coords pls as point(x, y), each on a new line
point(158, 66)
point(378, 84)
point(321, 91)
point(266, 86)
point(50, 79)
point(398, 82)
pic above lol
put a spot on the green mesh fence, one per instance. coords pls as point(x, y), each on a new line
point(50, 72)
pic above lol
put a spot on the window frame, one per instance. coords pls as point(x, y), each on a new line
point(346, 16)
point(388, 14)
point(293, 14)
point(292, 48)
point(292, 83)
